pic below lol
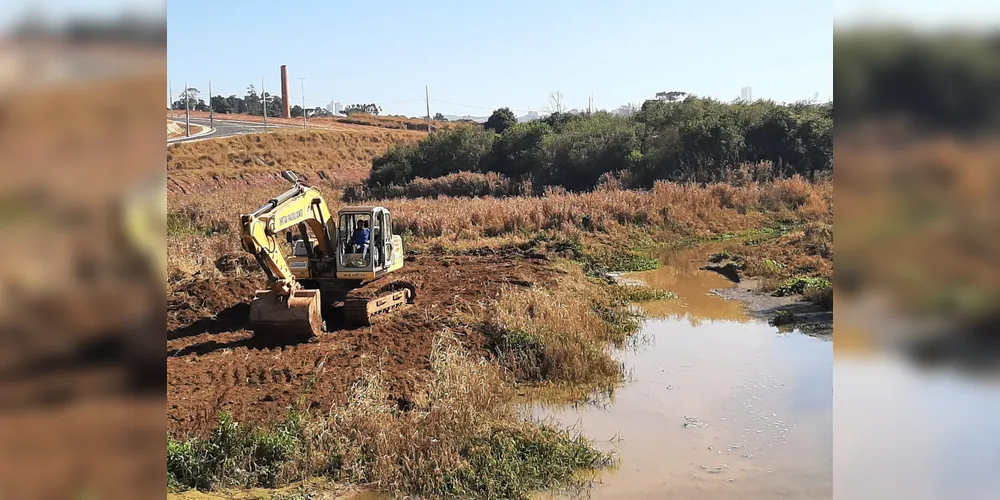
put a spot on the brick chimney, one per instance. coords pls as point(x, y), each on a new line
point(285, 109)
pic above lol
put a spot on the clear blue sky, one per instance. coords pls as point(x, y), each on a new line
point(477, 56)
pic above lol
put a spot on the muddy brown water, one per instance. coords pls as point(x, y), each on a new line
point(719, 405)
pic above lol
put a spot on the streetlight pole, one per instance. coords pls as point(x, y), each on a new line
point(263, 102)
point(187, 111)
point(211, 107)
point(302, 79)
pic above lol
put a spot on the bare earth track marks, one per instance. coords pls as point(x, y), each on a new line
point(214, 364)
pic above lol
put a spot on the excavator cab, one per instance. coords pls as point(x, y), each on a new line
point(366, 247)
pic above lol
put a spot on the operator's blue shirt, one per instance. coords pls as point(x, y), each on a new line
point(361, 236)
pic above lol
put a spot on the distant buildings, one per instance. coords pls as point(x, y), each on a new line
point(746, 94)
point(335, 107)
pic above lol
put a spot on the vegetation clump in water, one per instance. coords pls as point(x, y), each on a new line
point(641, 293)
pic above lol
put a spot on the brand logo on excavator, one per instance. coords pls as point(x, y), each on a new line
point(290, 217)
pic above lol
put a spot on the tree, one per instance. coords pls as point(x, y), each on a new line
point(296, 111)
point(501, 120)
point(371, 109)
point(439, 117)
point(273, 104)
point(555, 104)
point(190, 95)
point(221, 104)
point(518, 150)
point(252, 101)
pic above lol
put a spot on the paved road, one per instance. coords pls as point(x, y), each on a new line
point(226, 128)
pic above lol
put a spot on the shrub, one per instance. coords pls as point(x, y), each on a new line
point(501, 120)
point(518, 151)
point(585, 149)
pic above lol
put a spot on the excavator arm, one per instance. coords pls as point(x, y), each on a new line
point(301, 206)
point(286, 309)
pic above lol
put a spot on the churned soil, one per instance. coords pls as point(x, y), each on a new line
point(214, 364)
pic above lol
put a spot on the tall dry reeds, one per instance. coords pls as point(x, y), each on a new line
point(682, 210)
point(560, 334)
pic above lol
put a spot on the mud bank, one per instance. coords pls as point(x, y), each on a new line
point(800, 314)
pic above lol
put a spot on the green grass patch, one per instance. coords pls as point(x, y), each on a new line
point(639, 293)
point(508, 463)
point(234, 456)
point(799, 284)
point(603, 262)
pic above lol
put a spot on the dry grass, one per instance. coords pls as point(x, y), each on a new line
point(337, 157)
point(776, 256)
point(686, 210)
point(669, 211)
point(558, 335)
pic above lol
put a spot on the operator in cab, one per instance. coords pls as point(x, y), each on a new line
point(360, 238)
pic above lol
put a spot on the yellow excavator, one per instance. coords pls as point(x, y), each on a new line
point(344, 261)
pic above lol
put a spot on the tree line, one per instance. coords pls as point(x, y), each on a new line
point(945, 80)
point(251, 103)
point(693, 139)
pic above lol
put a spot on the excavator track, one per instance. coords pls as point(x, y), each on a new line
point(377, 298)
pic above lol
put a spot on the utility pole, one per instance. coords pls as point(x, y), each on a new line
point(263, 103)
point(303, 80)
point(187, 111)
point(427, 96)
point(211, 108)
point(170, 105)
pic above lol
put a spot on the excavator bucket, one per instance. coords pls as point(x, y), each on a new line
point(294, 318)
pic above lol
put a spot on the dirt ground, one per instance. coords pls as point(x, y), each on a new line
point(175, 129)
point(214, 364)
